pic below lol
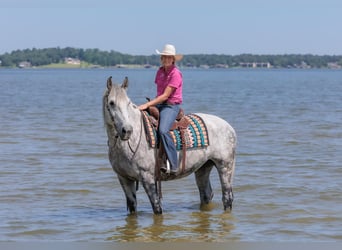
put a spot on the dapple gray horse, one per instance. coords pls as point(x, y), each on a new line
point(134, 160)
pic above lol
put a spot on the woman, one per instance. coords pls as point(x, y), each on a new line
point(169, 81)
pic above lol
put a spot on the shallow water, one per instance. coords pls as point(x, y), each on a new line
point(57, 184)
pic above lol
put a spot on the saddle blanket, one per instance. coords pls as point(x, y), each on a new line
point(195, 135)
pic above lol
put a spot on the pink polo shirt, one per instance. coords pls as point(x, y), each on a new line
point(173, 78)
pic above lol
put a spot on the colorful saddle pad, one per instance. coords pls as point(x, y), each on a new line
point(195, 135)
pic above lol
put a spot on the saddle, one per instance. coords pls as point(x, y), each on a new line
point(181, 123)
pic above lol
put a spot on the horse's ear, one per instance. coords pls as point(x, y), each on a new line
point(125, 83)
point(109, 83)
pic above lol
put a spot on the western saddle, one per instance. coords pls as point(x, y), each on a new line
point(181, 123)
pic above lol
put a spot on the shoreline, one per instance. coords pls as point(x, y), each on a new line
point(138, 66)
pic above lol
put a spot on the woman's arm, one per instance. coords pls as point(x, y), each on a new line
point(160, 99)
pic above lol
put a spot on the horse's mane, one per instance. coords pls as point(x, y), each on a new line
point(104, 100)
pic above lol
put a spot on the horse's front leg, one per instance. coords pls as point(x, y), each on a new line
point(150, 185)
point(129, 187)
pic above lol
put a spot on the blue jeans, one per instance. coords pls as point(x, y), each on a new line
point(167, 115)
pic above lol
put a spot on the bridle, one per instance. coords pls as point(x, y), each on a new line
point(117, 137)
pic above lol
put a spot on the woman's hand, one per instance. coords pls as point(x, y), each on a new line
point(143, 106)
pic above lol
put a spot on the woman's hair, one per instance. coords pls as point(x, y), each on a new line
point(174, 58)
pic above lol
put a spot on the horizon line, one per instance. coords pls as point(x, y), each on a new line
point(112, 50)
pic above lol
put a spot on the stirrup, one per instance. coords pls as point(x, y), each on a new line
point(166, 169)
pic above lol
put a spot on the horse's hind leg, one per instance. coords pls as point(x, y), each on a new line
point(226, 171)
point(129, 187)
point(203, 182)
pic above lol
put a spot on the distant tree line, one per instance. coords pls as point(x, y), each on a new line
point(39, 57)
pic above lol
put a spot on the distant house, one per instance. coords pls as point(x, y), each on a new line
point(24, 64)
point(334, 65)
point(255, 65)
point(73, 61)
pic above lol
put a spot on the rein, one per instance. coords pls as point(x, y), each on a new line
point(136, 149)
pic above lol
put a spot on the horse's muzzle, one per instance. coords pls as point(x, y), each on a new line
point(126, 133)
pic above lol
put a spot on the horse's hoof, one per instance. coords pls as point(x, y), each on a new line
point(230, 208)
point(158, 211)
point(229, 202)
point(229, 205)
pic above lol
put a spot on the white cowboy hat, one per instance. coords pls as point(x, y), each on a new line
point(170, 50)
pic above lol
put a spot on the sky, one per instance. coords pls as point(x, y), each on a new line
point(138, 27)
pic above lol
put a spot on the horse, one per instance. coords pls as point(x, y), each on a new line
point(134, 161)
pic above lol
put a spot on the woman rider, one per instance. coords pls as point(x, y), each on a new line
point(169, 82)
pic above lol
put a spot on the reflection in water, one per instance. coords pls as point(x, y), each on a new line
point(201, 226)
point(212, 227)
point(134, 230)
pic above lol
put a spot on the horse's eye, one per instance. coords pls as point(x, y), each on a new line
point(111, 103)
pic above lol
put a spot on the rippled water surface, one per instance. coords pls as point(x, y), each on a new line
point(57, 184)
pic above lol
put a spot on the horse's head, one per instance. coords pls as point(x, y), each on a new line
point(116, 106)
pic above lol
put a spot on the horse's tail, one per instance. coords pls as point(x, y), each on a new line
point(233, 140)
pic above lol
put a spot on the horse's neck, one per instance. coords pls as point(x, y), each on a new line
point(136, 117)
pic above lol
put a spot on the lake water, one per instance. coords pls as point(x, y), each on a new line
point(57, 184)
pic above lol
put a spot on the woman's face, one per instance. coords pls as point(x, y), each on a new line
point(167, 61)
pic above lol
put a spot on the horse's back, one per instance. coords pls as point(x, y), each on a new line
point(219, 130)
point(216, 123)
